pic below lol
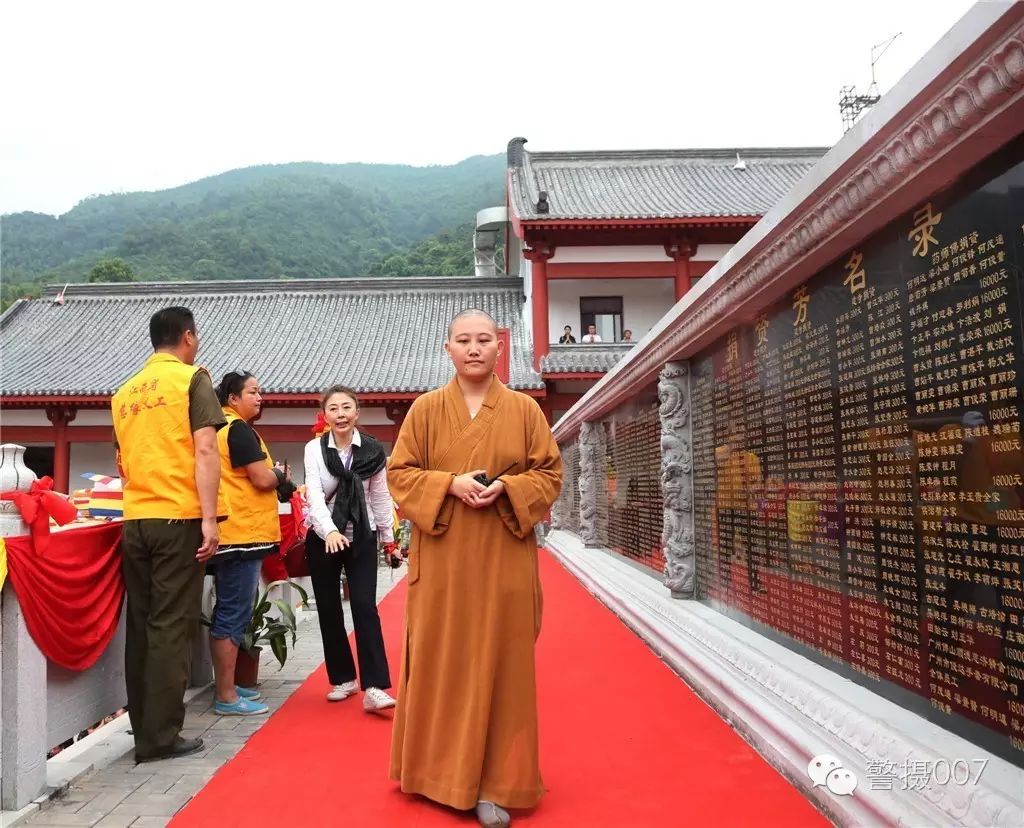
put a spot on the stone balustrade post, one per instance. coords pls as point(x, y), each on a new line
point(677, 479)
point(23, 745)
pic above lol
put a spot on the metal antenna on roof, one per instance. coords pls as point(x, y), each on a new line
point(851, 105)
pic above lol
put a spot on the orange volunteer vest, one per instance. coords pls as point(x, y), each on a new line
point(252, 514)
point(154, 437)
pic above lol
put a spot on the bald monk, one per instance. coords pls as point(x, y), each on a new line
point(465, 731)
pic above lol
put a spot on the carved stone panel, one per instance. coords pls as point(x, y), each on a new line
point(591, 446)
point(677, 478)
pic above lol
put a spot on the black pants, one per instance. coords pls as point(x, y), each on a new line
point(360, 562)
point(164, 583)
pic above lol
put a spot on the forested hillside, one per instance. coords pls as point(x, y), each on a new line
point(287, 221)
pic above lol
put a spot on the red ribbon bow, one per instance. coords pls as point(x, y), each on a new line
point(37, 506)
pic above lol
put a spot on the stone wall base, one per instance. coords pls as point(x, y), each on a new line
point(792, 709)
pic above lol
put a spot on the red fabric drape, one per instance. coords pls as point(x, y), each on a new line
point(71, 597)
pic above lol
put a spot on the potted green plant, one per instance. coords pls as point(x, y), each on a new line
point(268, 629)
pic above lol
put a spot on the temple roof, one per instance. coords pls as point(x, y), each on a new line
point(377, 335)
point(653, 184)
point(583, 359)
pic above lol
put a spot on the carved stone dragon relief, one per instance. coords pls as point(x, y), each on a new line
point(677, 479)
point(591, 477)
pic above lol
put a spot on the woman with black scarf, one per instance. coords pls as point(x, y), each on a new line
point(349, 503)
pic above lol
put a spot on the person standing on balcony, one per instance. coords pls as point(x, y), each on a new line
point(627, 335)
point(165, 425)
point(349, 502)
point(465, 731)
point(567, 338)
point(252, 485)
point(592, 335)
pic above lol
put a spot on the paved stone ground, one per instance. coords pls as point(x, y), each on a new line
point(124, 794)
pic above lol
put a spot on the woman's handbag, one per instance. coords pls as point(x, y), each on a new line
point(292, 550)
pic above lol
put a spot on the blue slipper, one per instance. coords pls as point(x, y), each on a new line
point(250, 693)
point(242, 707)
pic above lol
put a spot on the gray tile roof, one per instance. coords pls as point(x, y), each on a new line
point(656, 184)
point(377, 335)
point(583, 359)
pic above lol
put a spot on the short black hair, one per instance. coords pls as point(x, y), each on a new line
point(338, 389)
point(232, 383)
point(168, 326)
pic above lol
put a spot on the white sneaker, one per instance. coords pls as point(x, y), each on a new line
point(375, 699)
point(340, 692)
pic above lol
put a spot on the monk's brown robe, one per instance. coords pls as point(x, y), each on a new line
point(466, 724)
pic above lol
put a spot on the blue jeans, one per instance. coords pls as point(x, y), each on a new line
point(235, 584)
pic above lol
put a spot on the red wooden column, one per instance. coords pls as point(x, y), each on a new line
point(538, 256)
point(681, 250)
point(60, 416)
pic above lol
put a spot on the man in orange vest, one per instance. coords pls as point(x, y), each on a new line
point(165, 423)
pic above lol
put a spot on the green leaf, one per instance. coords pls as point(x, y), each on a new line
point(286, 611)
point(280, 650)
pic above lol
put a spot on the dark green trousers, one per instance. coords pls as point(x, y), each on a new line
point(164, 582)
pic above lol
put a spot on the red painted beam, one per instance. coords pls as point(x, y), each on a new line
point(287, 433)
point(41, 400)
point(604, 224)
point(580, 375)
point(623, 270)
point(48, 434)
point(314, 398)
point(616, 237)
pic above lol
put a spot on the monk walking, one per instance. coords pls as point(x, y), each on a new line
point(465, 731)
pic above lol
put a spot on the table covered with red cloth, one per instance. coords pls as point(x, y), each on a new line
point(71, 596)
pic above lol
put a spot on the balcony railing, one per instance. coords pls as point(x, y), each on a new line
point(599, 357)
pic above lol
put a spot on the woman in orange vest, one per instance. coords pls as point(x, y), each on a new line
point(250, 484)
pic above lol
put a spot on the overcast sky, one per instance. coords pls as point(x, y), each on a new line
point(104, 97)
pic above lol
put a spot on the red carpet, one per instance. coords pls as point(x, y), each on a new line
point(623, 743)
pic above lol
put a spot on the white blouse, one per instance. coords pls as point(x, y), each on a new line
point(321, 486)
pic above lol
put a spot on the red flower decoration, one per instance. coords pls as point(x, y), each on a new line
point(321, 425)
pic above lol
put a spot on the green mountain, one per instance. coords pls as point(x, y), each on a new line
point(449, 253)
point(283, 221)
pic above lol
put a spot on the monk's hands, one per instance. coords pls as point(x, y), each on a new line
point(335, 542)
point(471, 492)
point(466, 489)
point(488, 495)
